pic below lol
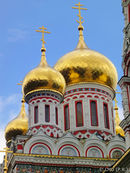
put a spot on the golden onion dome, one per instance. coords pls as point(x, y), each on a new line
point(120, 131)
point(43, 77)
point(84, 65)
point(18, 126)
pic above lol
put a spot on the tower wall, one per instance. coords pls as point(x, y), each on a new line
point(124, 82)
point(85, 94)
point(44, 114)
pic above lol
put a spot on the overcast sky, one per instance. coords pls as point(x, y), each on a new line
point(20, 44)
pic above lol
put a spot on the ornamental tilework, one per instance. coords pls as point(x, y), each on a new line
point(43, 169)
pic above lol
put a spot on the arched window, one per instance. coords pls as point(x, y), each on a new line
point(56, 115)
point(129, 13)
point(36, 114)
point(94, 152)
point(117, 154)
point(106, 116)
point(47, 113)
point(129, 70)
point(113, 126)
point(93, 112)
point(79, 113)
point(39, 149)
point(66, 117)
point(68, 151)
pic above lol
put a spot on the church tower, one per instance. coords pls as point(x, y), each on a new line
point(70, 114)
point(124, 82)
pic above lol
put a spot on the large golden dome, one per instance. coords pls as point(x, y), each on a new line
point(84, 65)
point(18, 126)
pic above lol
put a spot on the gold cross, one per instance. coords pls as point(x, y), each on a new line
point(79, 7)
point(116, 99)
point(20, 83)
point(6, 151)
point(43, 30)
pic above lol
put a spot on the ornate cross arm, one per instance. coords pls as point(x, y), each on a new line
point(79, 7)
point(43, 31)
point(6, 151)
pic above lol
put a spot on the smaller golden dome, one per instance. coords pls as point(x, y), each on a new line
point(119, 130)
point(43, 77)
point(18, 126)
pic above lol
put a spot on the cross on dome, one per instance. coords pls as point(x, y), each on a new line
point(116, 107)
point(43, 31)
point(81, 43)
point(43, 49)
point(79, 7)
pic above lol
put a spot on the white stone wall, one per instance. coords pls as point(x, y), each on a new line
point(125, 101)
point(102, 98)
point(41, 102)
point(69, 143)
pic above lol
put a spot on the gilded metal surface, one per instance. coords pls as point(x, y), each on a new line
point(79, 7)
point(43, 77)
point(17, 126)
point(43, 31)
point(84, 65)
point(119, 130)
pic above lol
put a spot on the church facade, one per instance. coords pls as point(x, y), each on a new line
point(70, 125)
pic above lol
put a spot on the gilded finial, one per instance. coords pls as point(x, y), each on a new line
point(43, 49)
point(23, 113)
point(119, 130)
point(81, 43)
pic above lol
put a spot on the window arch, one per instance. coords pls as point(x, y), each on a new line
point(36, 114)
point(94, 151)
point(40, 148)
point(66, 117)
point(106, 116)
point(116, 154)
point(68, 150)
point(47, 113)
point(56, 115)
point(79, 113)
point(113, 125)
point(129, 70)
point(93, 112)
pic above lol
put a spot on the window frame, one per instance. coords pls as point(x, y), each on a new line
point(79, 101)
point(106, 117)
point(65, 118)
point(56, 115)
point(129, 13)
point(45, 113)
point(96, 113)
point(35, 118)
